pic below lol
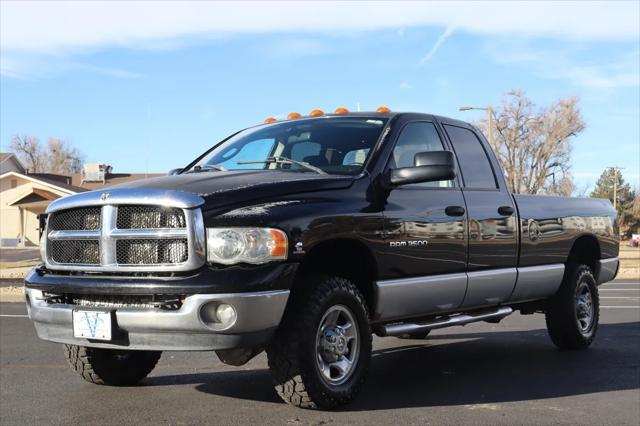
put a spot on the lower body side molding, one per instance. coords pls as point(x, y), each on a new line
point(396, 329)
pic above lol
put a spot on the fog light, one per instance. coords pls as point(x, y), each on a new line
point(226, 314)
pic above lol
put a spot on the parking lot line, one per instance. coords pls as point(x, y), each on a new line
point(619, 307)
point(620, 289)
point(14, 316)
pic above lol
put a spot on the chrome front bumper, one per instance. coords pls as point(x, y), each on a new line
point(188, 328)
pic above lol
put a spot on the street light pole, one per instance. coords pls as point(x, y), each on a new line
point(490, 121)
point(616, 170)
point(489, 110)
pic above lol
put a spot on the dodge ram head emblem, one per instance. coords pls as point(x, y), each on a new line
point(105, 196)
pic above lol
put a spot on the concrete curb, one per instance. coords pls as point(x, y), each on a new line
point(628, 273)
point(12, 294)
point(15, 272)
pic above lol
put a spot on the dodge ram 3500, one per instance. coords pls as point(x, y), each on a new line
point(303, 237)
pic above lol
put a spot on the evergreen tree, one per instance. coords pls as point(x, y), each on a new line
point(627, 203)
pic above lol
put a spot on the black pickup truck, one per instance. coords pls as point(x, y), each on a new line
point(303, 237)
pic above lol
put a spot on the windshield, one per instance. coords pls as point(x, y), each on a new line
point(333, 145)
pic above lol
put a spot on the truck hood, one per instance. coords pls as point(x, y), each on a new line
point(243, 185)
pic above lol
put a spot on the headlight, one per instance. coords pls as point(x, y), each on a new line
point(245, 245)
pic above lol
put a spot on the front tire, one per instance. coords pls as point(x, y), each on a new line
point(320, 355)
point(109, 366)
point(574, 312)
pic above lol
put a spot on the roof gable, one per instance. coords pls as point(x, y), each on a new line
point(68, 189)
point(9, 159)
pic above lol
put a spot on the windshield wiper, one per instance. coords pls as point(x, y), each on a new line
point(285, 160)
point(208, 167)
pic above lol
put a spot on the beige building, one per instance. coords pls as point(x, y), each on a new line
point(22, 199)
point(23, 196)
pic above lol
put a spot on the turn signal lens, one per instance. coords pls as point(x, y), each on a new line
point(316, 113)
point(341, 110)
point(279, 248)
point(293, 115)
point(270, 120)
point(383, 109)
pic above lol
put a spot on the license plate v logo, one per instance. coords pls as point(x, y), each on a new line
point(92, 327)
point(92, 324)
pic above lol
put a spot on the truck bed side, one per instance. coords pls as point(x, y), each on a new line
point(551, 227)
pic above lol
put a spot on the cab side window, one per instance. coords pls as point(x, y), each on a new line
point(416, 137)
point(475, 167)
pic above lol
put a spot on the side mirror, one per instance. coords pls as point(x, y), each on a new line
point(430, 166)
point(174, 172)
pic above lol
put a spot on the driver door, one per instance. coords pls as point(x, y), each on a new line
point(425, 228)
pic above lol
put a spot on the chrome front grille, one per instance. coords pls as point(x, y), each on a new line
point(150, 251)
point(117, 237)
point(77, 252)
point(150, 217)
point(83, 219)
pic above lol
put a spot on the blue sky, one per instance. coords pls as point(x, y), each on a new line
point(148, 86)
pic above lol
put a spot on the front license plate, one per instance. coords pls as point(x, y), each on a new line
point(92, 324)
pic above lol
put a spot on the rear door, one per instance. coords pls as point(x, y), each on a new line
point(493, 239)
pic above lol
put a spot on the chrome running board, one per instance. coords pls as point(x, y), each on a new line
point(397, 329)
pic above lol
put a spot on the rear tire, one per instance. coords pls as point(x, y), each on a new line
point(111, 367)
point(321, 352)
point(573, 313)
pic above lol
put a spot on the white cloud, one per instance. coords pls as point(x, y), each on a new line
point(55, 26)
point(25, 67)
point(296, 47)
point(405, 85)
point(441, 39)
point(566, 64)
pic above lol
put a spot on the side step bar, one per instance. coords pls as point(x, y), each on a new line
point(397, 329)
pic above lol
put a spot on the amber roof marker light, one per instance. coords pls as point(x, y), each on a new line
point(293, 115)
point(316, 113)
point(341, 110)
point(383, 109)
point(270, 120)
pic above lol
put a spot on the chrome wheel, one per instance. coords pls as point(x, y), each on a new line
point(337, 345)
point(584, 307)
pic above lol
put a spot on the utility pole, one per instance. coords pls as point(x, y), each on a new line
point(489, 110)
point(616, 170)
point(615, 189)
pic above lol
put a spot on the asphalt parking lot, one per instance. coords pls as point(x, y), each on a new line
point(18, 254)
point(507, 373)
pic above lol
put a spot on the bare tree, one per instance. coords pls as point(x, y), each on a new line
point(63, 157)
point(534, 145)
point(58, 156)
point(30, 152)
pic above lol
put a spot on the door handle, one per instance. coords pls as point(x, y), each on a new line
point(506, 210)
point(454, 211)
